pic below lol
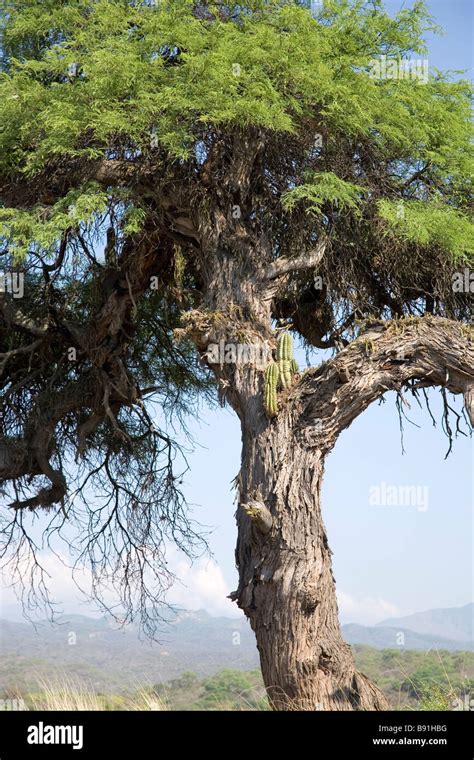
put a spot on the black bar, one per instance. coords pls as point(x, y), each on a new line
point(445, 734)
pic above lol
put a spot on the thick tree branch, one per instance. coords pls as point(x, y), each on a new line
point(14, 317)
point(54, 181)
point(245, 149)
point(309, 260)
point(412, 352)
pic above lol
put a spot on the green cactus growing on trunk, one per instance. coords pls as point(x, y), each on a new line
point(284, 371)
point(271, 382)
point(285, 347)
point(279, 374)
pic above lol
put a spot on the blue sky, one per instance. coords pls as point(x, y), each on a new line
point(387, 560)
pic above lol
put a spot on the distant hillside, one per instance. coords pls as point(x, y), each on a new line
point(114, 660)
point(456, 623)
point(96, 651)
point(384, 637)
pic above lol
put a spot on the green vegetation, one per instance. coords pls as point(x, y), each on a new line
point(414, 679)
point(227, 690)
point(79, 78)
point(411, 680)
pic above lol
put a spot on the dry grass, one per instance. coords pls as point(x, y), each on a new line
point(68, 694)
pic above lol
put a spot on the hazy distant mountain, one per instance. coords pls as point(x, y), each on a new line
point(456, 623)
point(385, 637)
point(93, 649)
point(113, 660)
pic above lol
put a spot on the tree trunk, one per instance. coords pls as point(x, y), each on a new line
point(286, 585)
point(287, 588)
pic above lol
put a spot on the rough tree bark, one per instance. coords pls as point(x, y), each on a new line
point(287, 588)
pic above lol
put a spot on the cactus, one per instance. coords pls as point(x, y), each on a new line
point(284, 373)
point(286, 363)
point(271, 382)
point(279, 374)
point(285, 347)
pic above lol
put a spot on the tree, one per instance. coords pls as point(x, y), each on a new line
point(248, 172)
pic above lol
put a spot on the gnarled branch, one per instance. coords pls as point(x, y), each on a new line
point(413, 352)
point(308, 260)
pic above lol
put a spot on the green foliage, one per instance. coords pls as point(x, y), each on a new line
point(324, 187)
point(229, 686)
point(93, 78)
point(41, 227)
point(186, 680)
point(124, 86)
point(424, 678)
point(437, 698)
point(427, 223)
point(228, 689)
point(416, 679)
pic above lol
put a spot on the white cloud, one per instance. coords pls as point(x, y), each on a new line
point(366, 610)
point(64, 592)
point(201, 586)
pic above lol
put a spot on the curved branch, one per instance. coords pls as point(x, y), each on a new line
point(308, 260)
point(414, 352)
